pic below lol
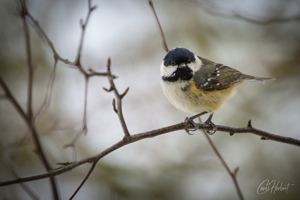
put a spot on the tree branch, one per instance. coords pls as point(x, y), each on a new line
point(86, 177)
point(10, 166)
point(119, 98)
point(46, 102)
point(34, 134)
point(29, 116)
point(216, 10)
point(151, 134)
point(164, 42)
point(76, 63)
point(23, 12)
point(83, 26)
point(232, 174)
point(83, 129)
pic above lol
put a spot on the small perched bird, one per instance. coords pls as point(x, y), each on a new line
point(196, 85)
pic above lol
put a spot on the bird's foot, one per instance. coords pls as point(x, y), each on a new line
point(209, 122)
point(196, 125)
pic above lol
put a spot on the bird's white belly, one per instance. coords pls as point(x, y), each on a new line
point(179, 99)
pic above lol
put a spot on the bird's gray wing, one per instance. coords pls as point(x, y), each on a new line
point(212, 76)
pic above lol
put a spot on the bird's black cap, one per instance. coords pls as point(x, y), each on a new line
point(178, 55)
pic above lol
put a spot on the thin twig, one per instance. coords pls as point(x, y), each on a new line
point(119, 98)
point(86, 86)
point(12, 99)
point(151, 134)
point(164, 42)
point(76, 62)
point(119, 111)
point(83, 129)
point(94, 73)
point(29, 116)
point(83, 27)
point(9, 164)
point(46, 102)
point(35, 136)
point(86, 177)
point(23, 12)
point(232, 174)
point(44, 36)
point(26, 188)
point(215, 10)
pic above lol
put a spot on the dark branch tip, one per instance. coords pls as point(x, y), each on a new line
point(124, 93)
point(249, 124)
point(93, 8)
point(81, 22)
point(151, 2)
point(114, 77)
point(236, 171)
point(108, 90)
point(108, 64)
point(231, 133)
point(263, 138)
point(114, 105)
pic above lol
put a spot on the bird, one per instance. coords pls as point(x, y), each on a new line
point(199, 86)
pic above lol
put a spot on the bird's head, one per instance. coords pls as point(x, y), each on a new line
point(179, 64)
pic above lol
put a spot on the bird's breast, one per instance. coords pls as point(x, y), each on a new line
point(185, 96)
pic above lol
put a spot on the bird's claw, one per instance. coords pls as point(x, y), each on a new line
point(196, 125)
point(209, 122)
point(211, 132)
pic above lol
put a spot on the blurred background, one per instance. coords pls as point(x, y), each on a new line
point(175, 165)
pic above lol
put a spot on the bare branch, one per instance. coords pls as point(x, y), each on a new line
point(86, 177)
point(76, 63)
point(119, 97)
point(23, 12)
point(151, 134)
point(29, 116)
point(83, 26)
point(164, 42)
point(232, 174)
point(94, 73)
point(9, 164)
point(223, 12)
point(34, 134)
point(12, 99)
point(83, 129)
point(44, 36)
point(46, 102)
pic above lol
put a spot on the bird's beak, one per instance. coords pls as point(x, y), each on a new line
point(182, 65)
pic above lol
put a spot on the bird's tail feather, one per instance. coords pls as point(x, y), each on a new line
point(256, 79)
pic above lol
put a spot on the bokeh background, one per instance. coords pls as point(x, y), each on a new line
point(174, 165)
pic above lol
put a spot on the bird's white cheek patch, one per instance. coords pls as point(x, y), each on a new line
point(167, 71)
point(195, 66)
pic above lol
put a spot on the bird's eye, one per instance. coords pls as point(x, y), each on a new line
point(189, 61)
point(173, 63)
